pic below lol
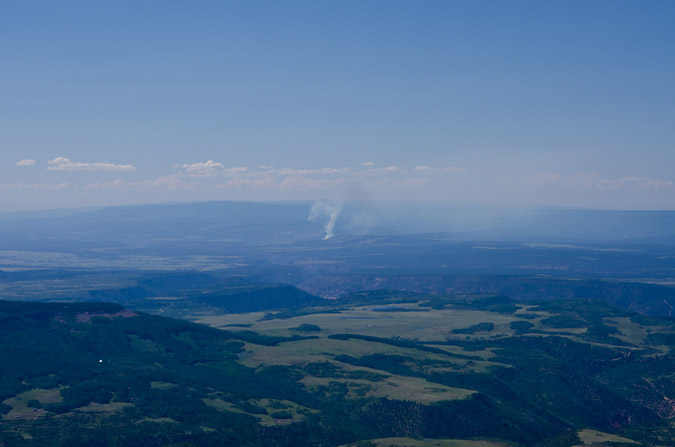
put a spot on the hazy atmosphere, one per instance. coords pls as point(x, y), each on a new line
point(531, 103)
point(353, 223)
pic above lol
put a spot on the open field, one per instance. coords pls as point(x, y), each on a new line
point(415, 370)
point(412, 389)
point(327, 363)
point(278, 412)
point(19, 404)
point(441, 368)
point(322, 351)
point(629, 331)
point(594, 437)
point(109, 408)
point(419, 323)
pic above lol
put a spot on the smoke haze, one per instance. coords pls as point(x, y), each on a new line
point(332, 212)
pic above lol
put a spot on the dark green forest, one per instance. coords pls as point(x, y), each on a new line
point(99, 374)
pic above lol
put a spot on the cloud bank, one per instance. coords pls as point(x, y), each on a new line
point(65, 164)
point(215, 180)
point(583, 180)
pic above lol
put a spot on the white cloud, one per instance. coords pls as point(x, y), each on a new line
point(636, 183)
point(208, 168)
point(301, 180)
point(302, 183)
point(24, 163)
point(212, 178)
point(243, 183)
point(292, 171)
point(65, 164)
point(318, 179)
point(584, 180)
point(114, 185)
point(285, 178)
point(545, 178)
point(233, 172)
point(423, 168)
point(167, 183)
point(34, 187)
point(381, 171)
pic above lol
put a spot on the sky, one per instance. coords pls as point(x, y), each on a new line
point(556, 103)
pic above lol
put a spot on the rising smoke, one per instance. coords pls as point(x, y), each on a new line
point(322, 209)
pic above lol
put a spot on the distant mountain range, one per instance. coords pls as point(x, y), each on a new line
point(288, 221)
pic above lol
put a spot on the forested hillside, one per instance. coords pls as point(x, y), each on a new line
point(376, 366)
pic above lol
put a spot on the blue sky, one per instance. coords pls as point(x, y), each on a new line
point(529, 103)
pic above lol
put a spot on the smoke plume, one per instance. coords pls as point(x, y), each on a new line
point(322, 209)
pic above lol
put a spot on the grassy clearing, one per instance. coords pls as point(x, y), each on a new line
point(434, 325)
point(302, 352)
point(272, 406)
point(394, 387)
point(572, 333)
point(19, 403)
point(410, 442)
point(222, 321)
point(429, 325)
point(375, 321)
point(324, 349)
point(630, 332)
point(528, 309)
point(593, 437)
point(112, 407)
